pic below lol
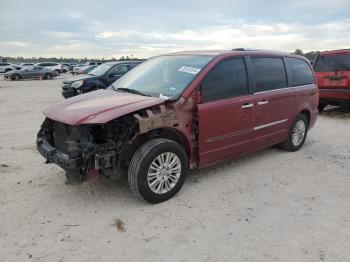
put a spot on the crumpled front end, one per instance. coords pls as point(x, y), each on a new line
point(82, 149)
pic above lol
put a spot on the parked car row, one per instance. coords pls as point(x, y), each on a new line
point(23, 70)
point(31, 72)
point(176, 112)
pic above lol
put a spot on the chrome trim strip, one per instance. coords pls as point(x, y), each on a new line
point(280, 89)
point(270, 124)
point(218, 138)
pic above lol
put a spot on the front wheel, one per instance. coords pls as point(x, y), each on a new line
point(158, 170)
point(48, 76)
point(16, 77)
point(297, 134)
point(57, 72)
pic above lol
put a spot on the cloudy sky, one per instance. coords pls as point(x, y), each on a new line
point(143, 28)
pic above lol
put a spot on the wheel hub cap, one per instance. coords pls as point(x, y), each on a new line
point(164, 173)
point(298, 133)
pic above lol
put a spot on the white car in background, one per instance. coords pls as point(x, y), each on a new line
point(23, 65)
point(56, 67)
point(7, 67)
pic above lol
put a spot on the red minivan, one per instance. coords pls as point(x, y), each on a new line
point(182, 111)
point(332, 69)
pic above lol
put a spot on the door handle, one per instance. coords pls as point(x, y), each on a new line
point(263, 102)
point(247, 105)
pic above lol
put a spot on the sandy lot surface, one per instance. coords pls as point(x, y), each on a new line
point(269, 206)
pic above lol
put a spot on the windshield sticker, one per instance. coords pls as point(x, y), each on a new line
point(163, 96)
point(189, 69)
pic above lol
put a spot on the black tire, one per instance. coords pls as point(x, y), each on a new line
point(16, 77)
point(57, 72)
point(288, 144)
point(321, 106)
point(48, 76)
point(141, 162)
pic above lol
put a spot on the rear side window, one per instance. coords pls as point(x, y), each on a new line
point(330, 63)
point(269, 73)
point(227, 79)
point(299, 72)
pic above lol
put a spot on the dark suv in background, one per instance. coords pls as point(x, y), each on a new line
point(98, 78)
point(332, 69)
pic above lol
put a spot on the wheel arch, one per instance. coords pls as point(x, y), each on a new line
point(172, 134)
point(307, 113)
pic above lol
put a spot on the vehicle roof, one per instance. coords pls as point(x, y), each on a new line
point(239, 51)
point(120, 62)
point(335, 52)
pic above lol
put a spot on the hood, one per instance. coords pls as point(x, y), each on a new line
point(78, 78)
point(98, 107)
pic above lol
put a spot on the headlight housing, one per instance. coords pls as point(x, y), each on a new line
point(77, 84)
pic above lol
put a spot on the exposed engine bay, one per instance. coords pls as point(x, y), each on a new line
point(103, 148)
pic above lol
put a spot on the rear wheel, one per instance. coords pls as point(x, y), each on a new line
point(16, 77)
point(158, 170)
point(297, 134)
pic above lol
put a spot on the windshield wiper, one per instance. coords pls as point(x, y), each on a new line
point(133, 91)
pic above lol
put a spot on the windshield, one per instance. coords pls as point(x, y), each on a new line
point(163, 76)
point(100, 70)
point(328, 63)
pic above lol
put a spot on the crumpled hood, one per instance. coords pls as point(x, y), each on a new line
point(98, 107)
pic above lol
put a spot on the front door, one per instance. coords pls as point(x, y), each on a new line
point(226, 112)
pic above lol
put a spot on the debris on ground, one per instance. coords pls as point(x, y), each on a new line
point(119, 224)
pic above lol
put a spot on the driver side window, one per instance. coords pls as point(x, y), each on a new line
point(226, 80)
point(118, 70)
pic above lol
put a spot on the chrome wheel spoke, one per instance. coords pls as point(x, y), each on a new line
point(298, 134)
point(164, 173)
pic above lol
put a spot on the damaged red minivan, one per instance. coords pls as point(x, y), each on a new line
point(182, 111)
point(332, 69)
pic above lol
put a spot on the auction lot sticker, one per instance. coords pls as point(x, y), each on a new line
point(190, 70)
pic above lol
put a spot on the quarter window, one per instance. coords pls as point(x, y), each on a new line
point(269, 73)
point(227, 79)
point(299, 72)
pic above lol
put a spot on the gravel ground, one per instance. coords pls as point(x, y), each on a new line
point(269, 206)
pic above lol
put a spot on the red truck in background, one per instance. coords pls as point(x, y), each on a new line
point(332, 69)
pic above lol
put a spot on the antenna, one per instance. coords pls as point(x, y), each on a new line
point(93, 42)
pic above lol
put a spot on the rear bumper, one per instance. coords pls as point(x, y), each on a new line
point(334, 94)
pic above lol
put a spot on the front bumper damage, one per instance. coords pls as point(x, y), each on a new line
point(76, 150)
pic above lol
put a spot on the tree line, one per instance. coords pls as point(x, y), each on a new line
point(19, 59)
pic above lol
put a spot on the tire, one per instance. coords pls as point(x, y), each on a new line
point(48, 76)
point(141, 174)
point(321, 106)
point(294, 142)
point(57, 72)
point(16, 77)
